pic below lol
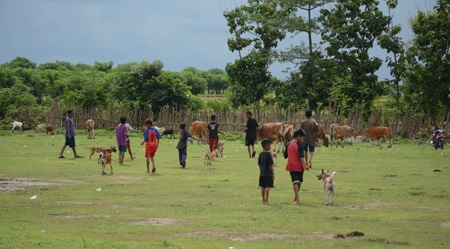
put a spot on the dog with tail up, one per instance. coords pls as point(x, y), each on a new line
point(328, 185)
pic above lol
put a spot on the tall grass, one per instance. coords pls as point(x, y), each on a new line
point(399, 198)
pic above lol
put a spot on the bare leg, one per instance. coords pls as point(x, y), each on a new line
point(148, 165)
point(263, 195)
point(267, 195)
point(297, 187)
point(249, 153)
point(74, 152)
point(311, 154)
point(153, 164)
point(131, 153)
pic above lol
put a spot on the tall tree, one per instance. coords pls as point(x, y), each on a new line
point(428, 81)
point(257, 30)
point(350, 30)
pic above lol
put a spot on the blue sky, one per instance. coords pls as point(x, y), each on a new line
point(180, 33)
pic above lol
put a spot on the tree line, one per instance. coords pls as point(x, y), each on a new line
point(337, 68)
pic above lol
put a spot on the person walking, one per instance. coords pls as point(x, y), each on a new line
point(296, 163)
point(70, 136)
point(250, 133)
point(121, 136)
point(311, 129)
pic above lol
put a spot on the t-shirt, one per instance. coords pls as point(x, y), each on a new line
point(151, 136)
point(184, 135)
point(251, 126)
point(120, 135)
point(265, 160)
point(213, 129)
point(130, 129)
point(69, 123)
point(294, 164)
point(310, 127)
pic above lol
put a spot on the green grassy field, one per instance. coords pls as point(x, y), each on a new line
point(399, 198)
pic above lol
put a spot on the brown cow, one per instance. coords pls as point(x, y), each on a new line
point(321, 135)
point(90, 129)
point(339, 132)
point(289, 135)
point(198, 128)
point(376, 133)
point(274, 132)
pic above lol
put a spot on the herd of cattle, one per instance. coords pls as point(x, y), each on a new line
point(279, 133)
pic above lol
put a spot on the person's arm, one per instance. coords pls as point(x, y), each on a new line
point(145, 137)
point(273, 172)
point(68, 124)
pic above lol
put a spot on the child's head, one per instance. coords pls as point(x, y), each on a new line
point(299, 135)
point(182, 126)
point(213, 117)
point(308, 113)
point(266, 144)
point(148, 123)
point(248, 114)
point(123, 120)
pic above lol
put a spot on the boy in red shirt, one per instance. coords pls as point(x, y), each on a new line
point(151, 138)
point(296, 162)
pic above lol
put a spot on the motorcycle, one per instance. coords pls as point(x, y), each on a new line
point(438, 140)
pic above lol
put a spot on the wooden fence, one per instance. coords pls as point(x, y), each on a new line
point(408, 125)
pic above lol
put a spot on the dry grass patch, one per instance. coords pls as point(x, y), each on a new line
point(248, 237)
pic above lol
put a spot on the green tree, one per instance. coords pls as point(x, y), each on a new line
point(256, 29)
point(350, 30)
point(20, 62)
point(194, 79)
point(428, 76)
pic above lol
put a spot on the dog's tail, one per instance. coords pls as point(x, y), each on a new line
point(332, 177)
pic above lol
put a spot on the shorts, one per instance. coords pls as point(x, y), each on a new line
point(150, 151)
point(122, 148)
point(213, 142)
point(265, 182)
point(296, 177)
point(310, 148)
point(70, 142)
point(250, 141)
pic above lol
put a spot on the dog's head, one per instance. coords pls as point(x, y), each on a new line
point(113, 149)
point(322, 175)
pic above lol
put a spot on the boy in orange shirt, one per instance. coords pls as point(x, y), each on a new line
point(151, 138)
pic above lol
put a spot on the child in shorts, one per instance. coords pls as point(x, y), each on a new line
point(266, 174)
point(151, 138)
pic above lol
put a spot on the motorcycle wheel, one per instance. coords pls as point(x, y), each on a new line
point(441, 143)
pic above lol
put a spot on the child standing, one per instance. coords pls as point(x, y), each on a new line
point(122, 135)
point(266, 174)
point(296, 164)
point(151, 138)
point(213, 131)
point(182, 145)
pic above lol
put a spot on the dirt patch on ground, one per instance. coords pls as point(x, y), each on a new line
point(246, 237)
point(155, 222)
point(445, 224)
point(71, 216)
point(14, 184)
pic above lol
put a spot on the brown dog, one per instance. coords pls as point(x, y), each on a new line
point(106, 158)
point(220, 149)
point(209, 157)
point(100, 149)
point(328, 184)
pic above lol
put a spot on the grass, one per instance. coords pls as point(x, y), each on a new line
point(394, 196)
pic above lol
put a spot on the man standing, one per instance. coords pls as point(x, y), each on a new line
point(250, 133)
point(310, 127)
point(70, 136)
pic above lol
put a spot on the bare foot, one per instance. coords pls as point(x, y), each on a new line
point(154, 170)
point(133, 157)
point(147, 172)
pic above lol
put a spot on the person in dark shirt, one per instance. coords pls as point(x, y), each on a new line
point(182, 145)
point(266, 174)
point(250, 133)
point(213, 131)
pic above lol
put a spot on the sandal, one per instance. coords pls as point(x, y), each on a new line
point(61, 156)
